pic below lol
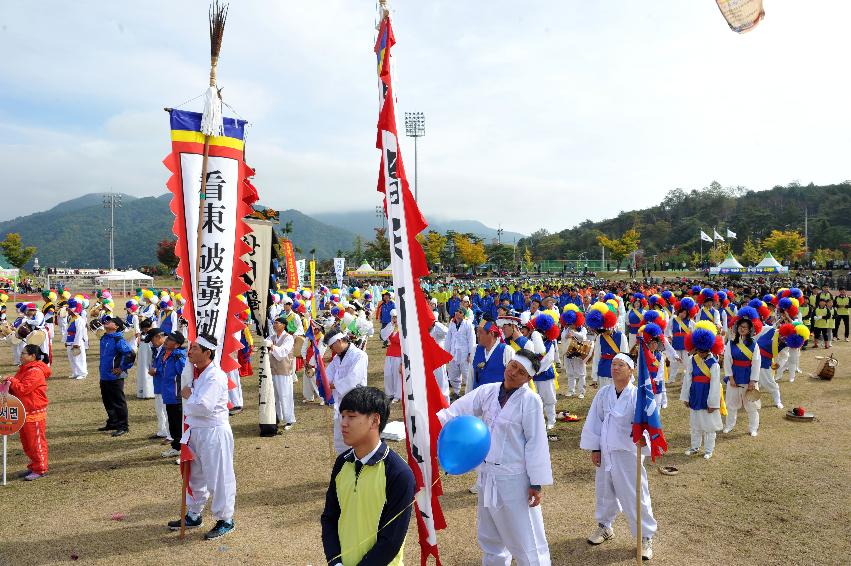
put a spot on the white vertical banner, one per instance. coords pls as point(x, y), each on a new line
point(339, 269)
point(301, 268)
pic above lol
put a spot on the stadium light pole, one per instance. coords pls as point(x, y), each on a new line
point(415, 128)
point(111, 201)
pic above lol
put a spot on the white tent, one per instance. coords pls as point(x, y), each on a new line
point(768, 261)
point(730, 262)
point(129, 278)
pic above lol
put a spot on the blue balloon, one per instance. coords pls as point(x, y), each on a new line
point(463, 444)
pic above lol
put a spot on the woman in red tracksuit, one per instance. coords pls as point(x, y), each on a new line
point(30, 386)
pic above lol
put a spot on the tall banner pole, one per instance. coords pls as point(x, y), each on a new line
point(638, 499)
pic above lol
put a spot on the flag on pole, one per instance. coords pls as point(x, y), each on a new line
point(741, 15)
point(717, 236)
point(421, 354)
point(646, 411)
point(290, 264)
point(321, 376)
point(213, 300)
point(705, 237)
point(731, 234)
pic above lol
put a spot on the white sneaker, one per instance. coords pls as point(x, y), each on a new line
point(569, 395)
point(170, 453)
point(753, 433)
point(707, 456)
point(601, 535)
point(582, 395)
point(474, 489)
point(646, 548)
point(779, 405)
point(727, 430)
point(550, 426)
point(692, 451)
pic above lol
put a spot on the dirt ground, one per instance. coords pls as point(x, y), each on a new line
point(780, 498)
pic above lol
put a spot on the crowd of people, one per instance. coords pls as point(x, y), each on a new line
point(511, 342)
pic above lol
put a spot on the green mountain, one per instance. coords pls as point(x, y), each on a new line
point(76, 232)
point(672, 228)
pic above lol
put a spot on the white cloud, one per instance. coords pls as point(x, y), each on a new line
point(537, 115)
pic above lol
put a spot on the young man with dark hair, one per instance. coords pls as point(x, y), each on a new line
point(211, 441)
point(510, 522)
point(368, 503)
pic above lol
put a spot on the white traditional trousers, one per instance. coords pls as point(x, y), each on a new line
point(615, 492)
point(284, 404)
point(211, 473)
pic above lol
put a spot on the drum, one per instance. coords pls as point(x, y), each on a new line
point(37, 337)
point(633, 352)
point(827, 367)
point(63, 312)
point(95, 324)
point(5, 330)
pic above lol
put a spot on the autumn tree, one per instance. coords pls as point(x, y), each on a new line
point(469, 251)
point(433, 244)
point(751, 252)
point(719, 252)
point(620, 248)
point(15, 251)
point(821, 256)
point(527, 259)
point(785, 245)
point(166, 253)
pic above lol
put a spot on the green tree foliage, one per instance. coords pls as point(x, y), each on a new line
point(671, 229)
point(15, 251)
point(751, 252)
point(377, 251)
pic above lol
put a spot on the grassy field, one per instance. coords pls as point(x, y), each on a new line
point(780, 498)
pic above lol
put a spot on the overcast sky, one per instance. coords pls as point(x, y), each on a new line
point(538, 114)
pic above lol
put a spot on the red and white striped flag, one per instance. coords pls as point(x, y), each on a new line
point(421, 355)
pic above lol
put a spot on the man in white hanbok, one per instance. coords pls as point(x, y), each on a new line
point(461, 344)
point(210, 439)
point(346, 371)
point(607, 432)
point(510, 523)
point(282, 363)
point(439, 331)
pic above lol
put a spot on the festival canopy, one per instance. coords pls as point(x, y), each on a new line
point(768, 262)
point(366, 270)
point(130, 275)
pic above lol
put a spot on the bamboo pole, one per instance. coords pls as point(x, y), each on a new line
point(638, 503)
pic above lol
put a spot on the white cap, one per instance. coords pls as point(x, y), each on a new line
point(393, 312)
point(287, 300)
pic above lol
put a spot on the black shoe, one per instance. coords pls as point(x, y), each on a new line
point(235, 411)
point(106, 428)
point(221, 529)
point(190, 523)
point(120, 432)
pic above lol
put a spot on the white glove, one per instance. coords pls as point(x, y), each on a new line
point(268, 343)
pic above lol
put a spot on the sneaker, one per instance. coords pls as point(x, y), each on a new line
point(582, 395)
point(753, 433)
point(81, 377)
point(646, 548)
point(23, 473)
point(474, 489)
point(170, 453)
point(33, 476)
point(120, 432)
point(550, 426)
point(288, 426)
point(394, 401)
point(106, 428)
point(221, 529)
point(569, 395)
point(190, 523)
point(727, 430)
point(235, 411)
point(692, 451)
point(779, 405)
point(707, 456)
point(601, 535)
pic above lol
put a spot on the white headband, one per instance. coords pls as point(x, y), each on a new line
point(201, 341)
point(625, 359)
point(333, 338)
point(526, 363)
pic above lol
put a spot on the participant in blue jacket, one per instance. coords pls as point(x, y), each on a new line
point(116, 357)
point(517, 300)
point(491, 355)
point(170, 362)
point(453, 304)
